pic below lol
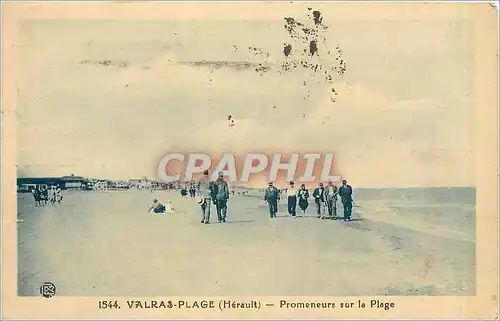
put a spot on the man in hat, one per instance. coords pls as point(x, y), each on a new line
point(345, 192)
point(320, 200)
point(272, 196)
point(205, 188)
point(220, 197)
point(291, 192)
point(331, 200)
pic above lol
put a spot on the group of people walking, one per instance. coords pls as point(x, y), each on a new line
point(43, 195)
point(325, 199)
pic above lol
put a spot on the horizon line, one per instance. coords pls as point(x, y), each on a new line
point(235, 185)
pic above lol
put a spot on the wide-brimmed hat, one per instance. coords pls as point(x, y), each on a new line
point(200, 200)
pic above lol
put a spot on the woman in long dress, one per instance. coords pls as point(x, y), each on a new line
point(303, 196)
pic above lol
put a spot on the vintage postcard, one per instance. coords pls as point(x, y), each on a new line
point(263, 160)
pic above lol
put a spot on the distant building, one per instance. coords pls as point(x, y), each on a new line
point(140, 183)
point(144, 183)
point(74, 182)
point(27, 184)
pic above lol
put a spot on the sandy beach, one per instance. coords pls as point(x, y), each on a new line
point(106, 244)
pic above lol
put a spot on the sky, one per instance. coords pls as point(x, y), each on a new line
point(403, 113)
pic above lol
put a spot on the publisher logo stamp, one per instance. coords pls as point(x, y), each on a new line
point(48, 290)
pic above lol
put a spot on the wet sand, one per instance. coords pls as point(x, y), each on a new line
point(105, 244)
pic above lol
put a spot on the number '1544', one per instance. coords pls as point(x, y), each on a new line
point(109, 305)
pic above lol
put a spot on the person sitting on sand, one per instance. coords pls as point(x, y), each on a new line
point(169, 208)
point(157, 207)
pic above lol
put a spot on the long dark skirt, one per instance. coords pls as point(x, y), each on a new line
point(303, 204)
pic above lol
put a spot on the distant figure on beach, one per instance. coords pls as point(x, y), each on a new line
point(59, 195)
point(45, 195)
point(303, 196)
point(319, 199)
point(205, 187)
point(52, 195)
point(331, 200)
point(157, 207)
point(292, 199)
point(220, 197)
point(345, 192)
point(184, 192)
point(272, 196)
point(37, 195)
point(192, 190)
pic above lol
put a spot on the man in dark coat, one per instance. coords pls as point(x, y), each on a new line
point(331, 193)
point(345, 192)
point(320, 200)
point(272, 196)
point(220, 197)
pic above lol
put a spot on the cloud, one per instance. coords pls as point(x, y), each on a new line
point(378, 141)
point(94, 118)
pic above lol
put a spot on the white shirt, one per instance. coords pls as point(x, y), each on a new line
point(291, 192)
